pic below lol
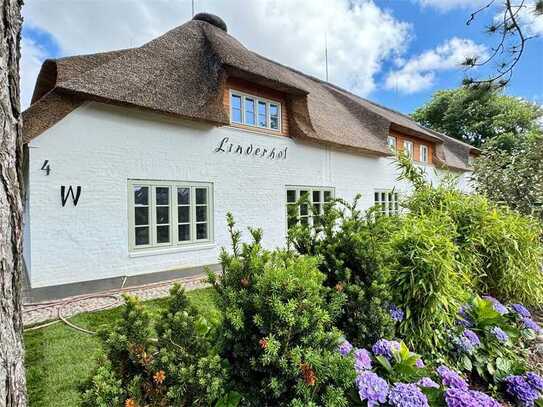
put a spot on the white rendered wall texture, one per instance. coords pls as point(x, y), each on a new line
point(100, 147)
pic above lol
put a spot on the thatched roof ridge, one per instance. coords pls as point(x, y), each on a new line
point(183, 73)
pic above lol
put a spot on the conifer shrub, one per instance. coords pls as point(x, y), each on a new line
point(277, 331)
point(353, 251)
point(178, 366)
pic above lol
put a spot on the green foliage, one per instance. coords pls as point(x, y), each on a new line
point(478, 115)
point(510, 170)
point(181, 367)
point(493, 359)
point(277, 331)
point(352, 252)
point(500, 249)
point(402, 367)
point(427, 279)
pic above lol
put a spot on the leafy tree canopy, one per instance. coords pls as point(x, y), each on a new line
point(477, 115)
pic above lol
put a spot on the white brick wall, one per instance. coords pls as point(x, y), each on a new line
point(100, 147)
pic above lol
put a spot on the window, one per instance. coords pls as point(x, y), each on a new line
point(423, 153)
point(408, 148)
point(168, 214)
point(388, 202)
point(307, 212)
point(391, 141)
point(254, 111)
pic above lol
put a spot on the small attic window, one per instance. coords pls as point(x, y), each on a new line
point(253, 111)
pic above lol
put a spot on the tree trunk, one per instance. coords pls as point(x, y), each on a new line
point(12, 373)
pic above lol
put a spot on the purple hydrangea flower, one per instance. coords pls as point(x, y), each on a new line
point(535, 381)
point(385, 347)
point(428, 383)
point(521, 310)
point(372, 388)
point(406, 395)
point(468, 341)
point(362, 360)
point(396, 313)
point(465, 323)
point(483, 400)
point(345, 348)
point(531, 324)
point(419, 363)
point(498, 306)
point(499, 333)
point(520, 390)
point(459, 398)
point(450, 378)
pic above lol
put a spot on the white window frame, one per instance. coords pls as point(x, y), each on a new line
point(256, 100)
point(423, 148)
point(310, 190)
point(392, 143)
point(173, 214)
point(408, 148)
point(387, 206)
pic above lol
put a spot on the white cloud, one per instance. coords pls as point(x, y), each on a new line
point(419, 72)
point(361, 36)
point(33, 56)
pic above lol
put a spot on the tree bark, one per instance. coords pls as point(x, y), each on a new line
point(12, 373)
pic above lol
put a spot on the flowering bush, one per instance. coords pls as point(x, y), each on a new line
point(180, 367)
point(390, 375)
point(277, 332)
point(524, 389)
point(353, 251)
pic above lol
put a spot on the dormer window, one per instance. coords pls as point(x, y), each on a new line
point(391, 141)
point(254, 111)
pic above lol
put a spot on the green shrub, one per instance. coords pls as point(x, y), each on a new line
point(277, 331)
point(427, 279)
point(180, 367)
point(352, 249)
point(500, 248)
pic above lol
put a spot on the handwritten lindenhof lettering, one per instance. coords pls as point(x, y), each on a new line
point(225, 146)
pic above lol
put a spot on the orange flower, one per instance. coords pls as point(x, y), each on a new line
point(309, 374)
point(263, 343)
point(159, 377)
point(130, 403)
point(339, 287)
point(245, 282)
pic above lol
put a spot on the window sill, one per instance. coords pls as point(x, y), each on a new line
point(169, 250)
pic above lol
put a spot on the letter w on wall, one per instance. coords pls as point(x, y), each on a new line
point(64, 195)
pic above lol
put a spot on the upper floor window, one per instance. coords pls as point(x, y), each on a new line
point(254, 111)
point(165, 214)
point(423, 156)
point(391, 141)
point(315, 197)
point(408, 148)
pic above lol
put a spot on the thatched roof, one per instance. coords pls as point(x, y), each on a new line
point(183, 73)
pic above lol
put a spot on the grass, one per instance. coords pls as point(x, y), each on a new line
point(59, 359)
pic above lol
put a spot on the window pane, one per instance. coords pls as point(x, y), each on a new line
point(184, 233)
point(327, 196)
point(249, 111)
point(291, 195)
point(201, 231)
point(162, 214)
point(201, 196)
point(304, 210)
point(141, 215)
point(376, 197)
point(183, 196)
point(316, 209)
point(304, 221)
point(183, 214)
point(201, 213)
point(235, 102)
point(316, 196)
point(162, 195)
point(262, 115)
point(142, 236)
point(274, 116)
point(163, 234)
point(141, 195)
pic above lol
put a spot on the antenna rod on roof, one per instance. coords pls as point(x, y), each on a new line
point(326, 53)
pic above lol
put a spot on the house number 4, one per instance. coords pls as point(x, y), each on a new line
point(46, 167)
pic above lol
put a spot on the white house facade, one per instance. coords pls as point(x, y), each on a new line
point(119, 191)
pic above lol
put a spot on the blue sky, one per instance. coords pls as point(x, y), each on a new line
point(395, 52)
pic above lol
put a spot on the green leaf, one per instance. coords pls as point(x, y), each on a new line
point(231, 399)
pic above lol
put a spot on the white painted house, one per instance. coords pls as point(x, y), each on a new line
point(134, 157)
